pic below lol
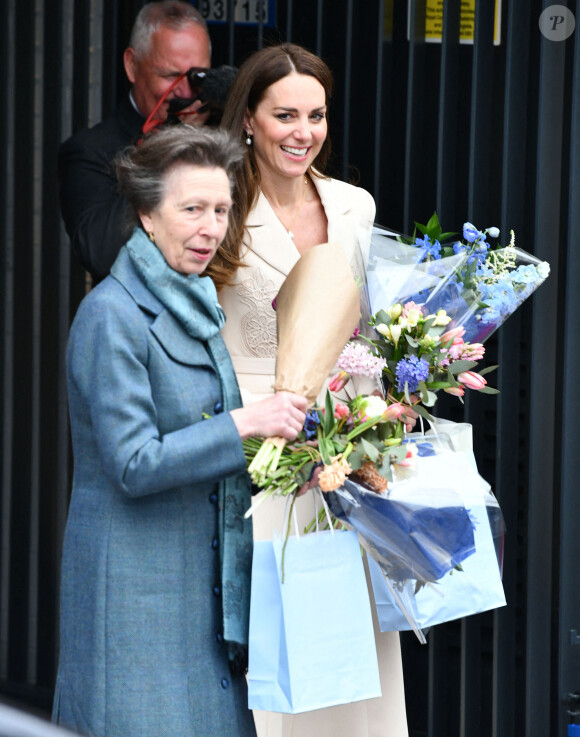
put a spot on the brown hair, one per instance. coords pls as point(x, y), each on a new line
point(260, 71)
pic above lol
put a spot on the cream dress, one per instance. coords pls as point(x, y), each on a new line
point(250, 335)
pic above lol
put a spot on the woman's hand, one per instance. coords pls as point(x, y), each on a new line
point(410, 418)
point(282, 414)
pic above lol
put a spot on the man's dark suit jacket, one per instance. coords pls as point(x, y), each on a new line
point(93, 209)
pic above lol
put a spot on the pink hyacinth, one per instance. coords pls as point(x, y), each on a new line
point(473, 351)
point(357, 360)
point(461, 351)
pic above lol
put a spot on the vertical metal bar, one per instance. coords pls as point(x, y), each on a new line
point(261, 23)
point(36, 433)
point(347, 91)
point(318, 47)
point(64, 308)
point(95, 51)
point(569, 457)
point(480, 132)
point(544, 367)
point(417, 15)
point(289, 10)
point(8, 351)
point(231, 31)
point(507, 707)
point(447, 116)
point(378, 104)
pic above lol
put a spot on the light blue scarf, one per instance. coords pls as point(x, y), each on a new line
point(192, 300)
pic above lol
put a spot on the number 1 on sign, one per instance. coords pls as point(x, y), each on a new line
point(247, 11)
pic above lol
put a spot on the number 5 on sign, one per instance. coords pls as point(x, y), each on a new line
point(246, 12)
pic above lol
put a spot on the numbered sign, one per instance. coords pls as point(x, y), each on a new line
point(246, 12)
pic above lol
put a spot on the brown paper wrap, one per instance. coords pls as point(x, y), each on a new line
point(317, 310)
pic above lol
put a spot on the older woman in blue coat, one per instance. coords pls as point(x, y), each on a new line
point(156, 558)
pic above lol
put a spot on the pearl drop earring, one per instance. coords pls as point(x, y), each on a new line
point(248, 139)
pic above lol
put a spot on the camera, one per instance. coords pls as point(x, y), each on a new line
point(211, 86)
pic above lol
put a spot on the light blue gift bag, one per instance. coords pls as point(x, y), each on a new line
point(477, 587)
point(311, 637)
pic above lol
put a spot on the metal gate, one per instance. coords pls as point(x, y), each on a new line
point(481, 123)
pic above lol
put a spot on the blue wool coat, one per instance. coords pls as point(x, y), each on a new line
point(141, 651)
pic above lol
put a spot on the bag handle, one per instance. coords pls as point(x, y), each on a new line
point(318, 493)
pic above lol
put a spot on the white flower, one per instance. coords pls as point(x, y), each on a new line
point(394, 311)
point(375, 406)
point(543, 269)
point(441, 318)
point(413, 317)
point(395, 331)
point(383, 329)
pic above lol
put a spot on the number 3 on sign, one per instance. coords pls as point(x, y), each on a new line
point(245, 11)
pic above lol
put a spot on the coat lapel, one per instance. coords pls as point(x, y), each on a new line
point(336, 204)
point(272, 243)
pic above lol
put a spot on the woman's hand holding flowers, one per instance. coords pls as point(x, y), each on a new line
point(281, 415)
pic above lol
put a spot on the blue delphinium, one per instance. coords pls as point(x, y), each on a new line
point(312, 419)
point(411, 371)
point(471, 233)
point(433, 248)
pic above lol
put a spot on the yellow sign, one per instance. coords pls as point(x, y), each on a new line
point(434, 21)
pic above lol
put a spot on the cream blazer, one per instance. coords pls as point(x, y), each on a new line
point(270, 254)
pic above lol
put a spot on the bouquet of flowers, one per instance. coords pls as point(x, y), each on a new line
point(419, 355)
point(485, 286)
point(361, 437)
point(322, 281)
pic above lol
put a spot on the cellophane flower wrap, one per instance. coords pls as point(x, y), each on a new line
point(434, 304)
point(489, 283)
point(422, 528)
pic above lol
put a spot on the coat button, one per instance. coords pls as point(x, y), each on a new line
point(213, 498)
point(219, 637)
point(225, 683)
point(217, 590)
point(218, 407)
point(214, 543)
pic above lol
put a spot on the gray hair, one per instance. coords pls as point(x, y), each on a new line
point(141, 169)
point(169, 13)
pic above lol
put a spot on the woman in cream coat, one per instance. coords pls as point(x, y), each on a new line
point(284, 206)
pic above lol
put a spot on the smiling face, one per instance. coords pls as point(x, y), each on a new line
point(192, 218)
point(289, 126)
point(173, 51)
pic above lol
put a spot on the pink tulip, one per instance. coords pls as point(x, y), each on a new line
point(472, 380)
point(457, 391)
point(339, 381)
point(341, 411)
point(452, 334)
point(393, 412)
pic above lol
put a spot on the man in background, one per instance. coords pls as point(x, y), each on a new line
point(167, 39)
